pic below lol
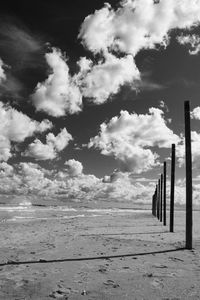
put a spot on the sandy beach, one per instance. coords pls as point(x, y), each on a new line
point(98, 254)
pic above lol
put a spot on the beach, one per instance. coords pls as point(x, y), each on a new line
point(88, 253)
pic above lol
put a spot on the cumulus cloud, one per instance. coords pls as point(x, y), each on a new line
point(99, 81)
point(195, 114)
point(6, 169)
point(54, 144)
point(2, 72)
point(136, 25)
point(16, 127)
point(193, 41)
point(33, 181)
point(116, 35)
point(73, 167)
point(180, 193)
point(133, 26)
point(129, 137)
point(58, 94)
point(195, 146)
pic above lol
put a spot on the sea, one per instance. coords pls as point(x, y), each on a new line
point(26, 211)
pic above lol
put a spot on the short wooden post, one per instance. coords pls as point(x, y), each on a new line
point(171, 225)
point(188, 165)
point(164, 193)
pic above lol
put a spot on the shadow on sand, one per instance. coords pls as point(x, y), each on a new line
point(125, 233)
point(43, 261)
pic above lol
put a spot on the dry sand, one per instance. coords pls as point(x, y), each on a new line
point(64, 272)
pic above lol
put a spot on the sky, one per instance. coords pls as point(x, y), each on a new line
point(92, 97)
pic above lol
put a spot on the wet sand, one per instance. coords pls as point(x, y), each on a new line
point(111, 257)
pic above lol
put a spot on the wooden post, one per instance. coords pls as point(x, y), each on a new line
point(155, 200)
point(164, 193)
point(158, 201)
point(161, 196)
point(188, 164)
point(171, 225)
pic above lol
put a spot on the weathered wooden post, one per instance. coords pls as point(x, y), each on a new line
point(158, 201)
point(161, 196)
point(164, 193)
point(188, 165)
point(155, 200)
point(171, 225)
point(154, 203)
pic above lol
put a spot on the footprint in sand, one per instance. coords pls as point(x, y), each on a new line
point(157, 284)
point(102, 269)
point(111, 283)
point(160, 266)
point(60, 293)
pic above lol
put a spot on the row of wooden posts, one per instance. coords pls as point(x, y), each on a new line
point(159, 196)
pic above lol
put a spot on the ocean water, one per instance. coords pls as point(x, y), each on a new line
point(25, 212)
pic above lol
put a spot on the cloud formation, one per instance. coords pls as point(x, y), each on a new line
point(73, 167)
point(117, 36)
point(99, 81)
point(34, 182)
point(58, 94)
point(16, 127)
point(54, 144)
point(195, 113)
point(2, 72)
point(195, 144)
point(129, 137)
point(192, 41)
point(137, 25)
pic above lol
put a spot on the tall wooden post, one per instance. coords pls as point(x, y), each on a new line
point(164, 193)
point(188, 164)
point(161, 196)
point(171, 225)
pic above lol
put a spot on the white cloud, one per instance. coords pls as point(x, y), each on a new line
point(129, 137)
point(5, 148)
point(193, 41)
point(16, 127)
point(116, 35)
point(34, 182)
point(137, 25)
point(60, 141)
point(105, 78)
point(74, 167)
point(58, 94)
point(195, 146)
point(132, 27)
point(2, 72)
point(54, 144)
point(6, 169)
point(195, 114)
point(124, 186)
